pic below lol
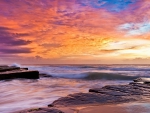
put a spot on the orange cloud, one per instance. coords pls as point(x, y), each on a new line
point(67, 30)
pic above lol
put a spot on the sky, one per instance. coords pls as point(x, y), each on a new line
point(75, 31)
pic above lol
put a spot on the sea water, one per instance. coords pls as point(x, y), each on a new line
point(19, 94)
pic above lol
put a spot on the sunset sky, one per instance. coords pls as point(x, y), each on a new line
point(74, 31)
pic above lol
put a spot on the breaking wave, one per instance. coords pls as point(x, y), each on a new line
point(95, 76)
point(130, 69)
point(15, 65)
point(94, 72)
point(108, 76)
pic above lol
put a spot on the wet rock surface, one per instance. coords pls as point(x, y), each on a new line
point(108, 94)
point(41, 110)
point(7, 72)
point(45, 75)
point(3, 69)
point(142, 79)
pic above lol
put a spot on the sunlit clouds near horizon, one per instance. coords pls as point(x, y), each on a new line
point(75, 31)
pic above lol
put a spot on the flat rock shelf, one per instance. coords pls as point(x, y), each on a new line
point(7, 72)
point(110, 94)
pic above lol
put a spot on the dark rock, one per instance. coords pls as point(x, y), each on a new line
point(3, 66)
point(91, 98)
point(142, 79)
point(108, 94)
point(24, 68)
point(50, 105)
point(3, 69)
point(45, 75)
point(19, 74)
point(12, 72)
point(41, 110)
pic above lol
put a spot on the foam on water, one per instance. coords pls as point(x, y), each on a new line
point(15, 65)
point(130, 69)
point(67, 79)
point(101, 72)
point(95, 76)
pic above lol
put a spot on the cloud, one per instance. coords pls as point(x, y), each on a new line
point(38, 57)
point(3, 55)
point(109, 5)
point(14, 51)
point(55, 29)
point(4, 28)
point(136, 28)
point(138, 60)
point(51, 45)
point(11, 42)
point(11, 39)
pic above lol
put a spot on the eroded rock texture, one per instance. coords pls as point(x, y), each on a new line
point(108, 94)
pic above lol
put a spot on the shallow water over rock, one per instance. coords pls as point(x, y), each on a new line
point(23, 93)
point(20, 94)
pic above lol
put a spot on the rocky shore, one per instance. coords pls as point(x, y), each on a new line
point(11, 72)
point(138, 90)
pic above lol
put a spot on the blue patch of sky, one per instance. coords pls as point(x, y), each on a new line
point(110, 5)
point(136, 28)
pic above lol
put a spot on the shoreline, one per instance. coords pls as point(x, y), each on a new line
point(108, 99)
point(104, 99)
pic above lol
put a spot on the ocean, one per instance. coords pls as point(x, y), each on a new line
point(20, 94)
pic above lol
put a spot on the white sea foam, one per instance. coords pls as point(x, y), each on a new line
point(45, 90)
point(15, 65)
point(104, 72)
point(130, 69)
